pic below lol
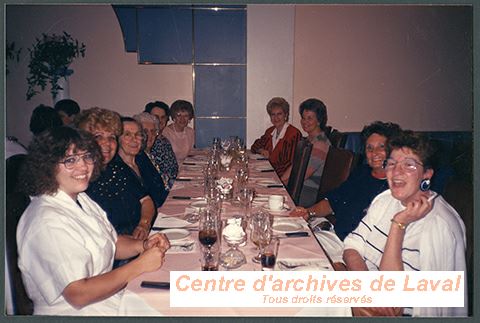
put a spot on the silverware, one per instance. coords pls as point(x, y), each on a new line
point(300, 234)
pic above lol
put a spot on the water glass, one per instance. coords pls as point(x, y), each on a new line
point(269, 254)
point(210, 258)
point(261, 231)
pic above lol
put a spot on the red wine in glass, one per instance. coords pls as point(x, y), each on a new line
point(207, 237)
point(209, 268)
point(268, 261)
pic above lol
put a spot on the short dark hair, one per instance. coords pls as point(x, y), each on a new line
point(157, 104)
point(44, 117)
point(417, 142)
point(69, 106)
point(181, 105)
point(317, 106)
point(386, 129)
point(38, 172)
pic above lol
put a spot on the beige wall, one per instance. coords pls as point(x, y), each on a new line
point(405, 64)
point(107, 77)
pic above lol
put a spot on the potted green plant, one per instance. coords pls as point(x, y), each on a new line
point(11, 53)
point(50, 58)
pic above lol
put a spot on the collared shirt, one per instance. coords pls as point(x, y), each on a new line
point(59, 243)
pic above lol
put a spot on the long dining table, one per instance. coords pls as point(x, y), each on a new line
point(185, 194)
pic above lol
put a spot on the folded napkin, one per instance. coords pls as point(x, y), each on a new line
point(186, 245)
point(332, 244)
point(295, 264)
point(171, 222)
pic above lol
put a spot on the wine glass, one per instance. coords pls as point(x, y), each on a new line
point(234, 236)
point(246, 196)
point(261, 233)
point(208, 227)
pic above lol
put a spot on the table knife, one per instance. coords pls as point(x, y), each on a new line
point(181, 197)
point(183, 179)
point(152, 284)
point(295, 234)
point(275, 186)
point(267, 170)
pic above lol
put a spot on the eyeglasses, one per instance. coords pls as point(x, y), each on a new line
point(130, 136)
point(407, 164)
point(71, 161)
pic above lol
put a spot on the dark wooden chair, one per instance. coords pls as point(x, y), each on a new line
point(337, 138)
point(336, 170)
point(12, 170)
point(16, 203)
point(299, 168)
point(459, 194)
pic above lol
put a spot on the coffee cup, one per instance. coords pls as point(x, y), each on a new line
point(275, 202)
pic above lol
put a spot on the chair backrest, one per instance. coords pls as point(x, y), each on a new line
point(16, 203)
point(459, 194)
point(337, 138)
point(12, 170)
point(336, 170)
point(299, 168)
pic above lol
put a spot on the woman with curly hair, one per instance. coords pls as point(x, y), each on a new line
point(128, 205)
point(66, 245)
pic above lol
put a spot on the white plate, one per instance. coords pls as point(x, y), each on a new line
point(266, 182)
point(192, 167)
point(260, 199)
point(283, 210)
point(199, 204)
point(176, 234)
point(287, 226)
point(263, 168)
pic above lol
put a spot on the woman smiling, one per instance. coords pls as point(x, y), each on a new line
point(408, 227)
point(66, 244)
point(279, 141)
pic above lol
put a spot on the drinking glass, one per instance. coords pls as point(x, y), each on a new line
point(210, 258)
point(261, 232)
point(246, 196)
point(269, 254)
point(233, 257)
point(208, 227)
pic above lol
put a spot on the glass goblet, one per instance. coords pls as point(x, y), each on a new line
point(233, 257)
point(261, 232)
point(208, 228)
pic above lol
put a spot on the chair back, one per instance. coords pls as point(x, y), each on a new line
point(299, 168)
point(16, 203)
point(336, 170)
point(337, 138)
point(459, 194)
point(12, 170)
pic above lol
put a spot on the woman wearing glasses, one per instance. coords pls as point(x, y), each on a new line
point(408, 227)
point(66, 244)
point(180, 135)
point(117, 190)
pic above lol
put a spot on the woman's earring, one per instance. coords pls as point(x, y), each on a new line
point(425, 185)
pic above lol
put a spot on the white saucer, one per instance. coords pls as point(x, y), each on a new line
point(199, 205)
point(176, 234)
point(287, 226)
point(282, 210)
point(264, 168)
point(266, 182)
